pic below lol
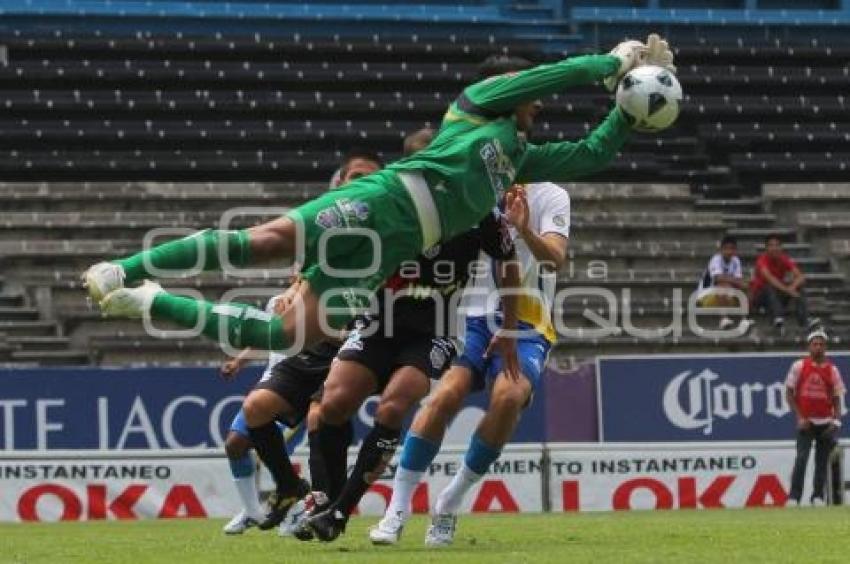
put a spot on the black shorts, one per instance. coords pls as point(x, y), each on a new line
point(298, 379)
point(383, 355)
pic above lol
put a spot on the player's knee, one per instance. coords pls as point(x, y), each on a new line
point(314, 417)
point(335, 410)
point(236, 445)
point(391, 413)
point(446, 402)
point(256, 411)
point(509, 401)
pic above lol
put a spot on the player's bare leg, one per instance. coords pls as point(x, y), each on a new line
point(507, 401)
point(421, 445)
point(434, 417)
point(406, 387)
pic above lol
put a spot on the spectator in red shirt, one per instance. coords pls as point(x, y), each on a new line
point(776, 282)
point(813, 389)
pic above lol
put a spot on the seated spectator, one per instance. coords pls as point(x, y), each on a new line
point(723, 272)
point(776, 282)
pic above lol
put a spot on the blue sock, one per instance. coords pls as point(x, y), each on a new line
point(479, 455)
point(242, 467)
point(418, 453)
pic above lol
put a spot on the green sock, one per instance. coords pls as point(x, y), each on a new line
point(243, 325)
point(204, 247)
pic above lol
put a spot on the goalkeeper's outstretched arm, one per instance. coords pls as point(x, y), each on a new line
point(565, 161)
point(501, 94)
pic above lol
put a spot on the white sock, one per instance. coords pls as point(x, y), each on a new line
point(247, 489)
point(450, 498)
point(404, 484)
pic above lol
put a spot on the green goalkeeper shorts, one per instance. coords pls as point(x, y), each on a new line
point(354, 239)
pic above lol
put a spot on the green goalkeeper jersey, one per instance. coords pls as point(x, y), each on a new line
point(477, 154)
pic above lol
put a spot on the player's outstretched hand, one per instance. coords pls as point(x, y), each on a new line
point(656, 51)
point(516, 209)
point(231, 368)
point(504, 345)
point(630, 53)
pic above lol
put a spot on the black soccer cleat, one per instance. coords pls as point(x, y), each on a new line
point(328, 524)
point(280, 503)
point(314, 503)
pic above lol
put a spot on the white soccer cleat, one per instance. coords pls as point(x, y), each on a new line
point(388, 530)
point(442, 530)
point(818, 502)
point(295, 518)
point(130, 302)
point(240, 523)
point(103, 278)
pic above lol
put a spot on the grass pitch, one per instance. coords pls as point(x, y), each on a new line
point(756, 535)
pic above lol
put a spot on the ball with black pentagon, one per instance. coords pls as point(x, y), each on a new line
point(651, 96)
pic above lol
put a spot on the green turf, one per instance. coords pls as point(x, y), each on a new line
point(769, 535)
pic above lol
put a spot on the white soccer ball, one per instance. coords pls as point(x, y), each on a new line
point(651, 95)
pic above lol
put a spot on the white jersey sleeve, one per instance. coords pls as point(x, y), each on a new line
point(554, 206)
point(715, 267)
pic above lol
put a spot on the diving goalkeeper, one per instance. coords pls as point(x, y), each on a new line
point(348, 242)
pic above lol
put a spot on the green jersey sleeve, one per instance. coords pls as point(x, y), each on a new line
point(564, 161)
point(501, 94)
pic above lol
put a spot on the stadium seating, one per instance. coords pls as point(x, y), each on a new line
point(180, 107)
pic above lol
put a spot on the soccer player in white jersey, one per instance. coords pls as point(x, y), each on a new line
point(540, 216)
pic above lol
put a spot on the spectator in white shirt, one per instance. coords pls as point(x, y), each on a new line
point(724, 273)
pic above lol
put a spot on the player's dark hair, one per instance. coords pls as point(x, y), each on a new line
point(772, 236)
point(361, 153)
point(728, 240)
point(500, 64)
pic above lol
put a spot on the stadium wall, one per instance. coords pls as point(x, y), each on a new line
point(620, 399)
point(46, 409)
point(529, 478)
point(115, 443)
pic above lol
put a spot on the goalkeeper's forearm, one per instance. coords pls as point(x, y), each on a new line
point(565, 161)
point(504, 93)
point(208, 249)
point(601, 146)
point(236, 325)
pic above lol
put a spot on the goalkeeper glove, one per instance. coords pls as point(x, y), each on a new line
point(633, 53)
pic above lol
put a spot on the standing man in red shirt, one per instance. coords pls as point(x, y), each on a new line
point(776, 281)
point(813, 389)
